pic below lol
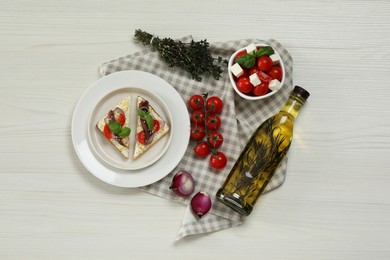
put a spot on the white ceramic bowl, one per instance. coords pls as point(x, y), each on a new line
point(233, 82)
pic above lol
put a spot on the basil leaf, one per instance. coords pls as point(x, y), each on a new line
point(149, 121)
point(124, 132)
point(246, 60)
point(142, 113)
point(266, 50)
point(115, 127)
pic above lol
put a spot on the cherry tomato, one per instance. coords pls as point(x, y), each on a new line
point(197, 132)
point(141, 137)
point(261, 89)
point(202, 149)
point(121, 119)
point(264, 63)
point(213, 122)
point(156, 125)
point(214, 105)
point(264, 77)
point(218, 161)
point(253, 70)
point(107, 132)
point(198, 117)
point(244, 85)
point(240, 54)
point(276, 73)
point(215, 139)
point(196, 102)
point(245, 74)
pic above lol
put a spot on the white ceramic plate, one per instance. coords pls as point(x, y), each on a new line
point(106, 151)
point(180, 127)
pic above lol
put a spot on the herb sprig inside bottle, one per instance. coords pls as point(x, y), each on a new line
point(194, 57)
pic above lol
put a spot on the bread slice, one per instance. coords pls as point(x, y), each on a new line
point(119, 114)
point(156, 134)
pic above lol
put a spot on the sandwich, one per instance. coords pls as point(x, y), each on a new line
point(151, 127)
point(115, 126)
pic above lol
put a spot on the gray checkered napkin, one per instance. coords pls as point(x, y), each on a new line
point(239, 119)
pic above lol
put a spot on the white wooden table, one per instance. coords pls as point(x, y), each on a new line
point(335, 203)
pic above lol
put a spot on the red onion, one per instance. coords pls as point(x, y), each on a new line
point(182, 183)
point(201, 204)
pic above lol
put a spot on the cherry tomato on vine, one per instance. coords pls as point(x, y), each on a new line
point(196, 102)
point(218, 161)
point(215, 139)
point(214, 105)
point(264, 63)
point(276, 73)
point(197, 132)
point(244, 85)
point(198, 117)
point(213, 122)
point(202, 149)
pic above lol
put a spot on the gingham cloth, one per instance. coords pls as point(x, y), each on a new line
point(239, 120)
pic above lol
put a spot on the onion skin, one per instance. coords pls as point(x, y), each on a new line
point(201, 204)
point(183, 183)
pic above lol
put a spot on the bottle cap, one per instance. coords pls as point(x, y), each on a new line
point(302, 92)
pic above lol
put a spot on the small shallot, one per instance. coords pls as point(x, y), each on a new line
point(201, 204)
point(183, 184)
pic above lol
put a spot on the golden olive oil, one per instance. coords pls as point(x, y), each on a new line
point(261, 156)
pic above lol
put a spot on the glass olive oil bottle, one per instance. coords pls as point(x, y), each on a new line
point(261, 156)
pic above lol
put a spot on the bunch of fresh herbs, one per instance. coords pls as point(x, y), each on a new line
point(194, 57)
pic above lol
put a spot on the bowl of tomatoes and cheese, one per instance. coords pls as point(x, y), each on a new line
point(256, 71)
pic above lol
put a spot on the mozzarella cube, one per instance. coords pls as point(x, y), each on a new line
point(236, 70)
point(254, 79)
point(250, 48)
point(274, 85)
point(275, 58)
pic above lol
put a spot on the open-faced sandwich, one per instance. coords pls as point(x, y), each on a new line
point(151, 127)
point(115, 126)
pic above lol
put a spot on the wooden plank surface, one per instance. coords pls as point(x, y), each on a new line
point(335, 203)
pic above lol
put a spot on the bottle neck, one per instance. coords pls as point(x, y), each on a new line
point(293, 105)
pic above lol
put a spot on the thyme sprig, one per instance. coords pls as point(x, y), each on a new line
point(194, 57)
